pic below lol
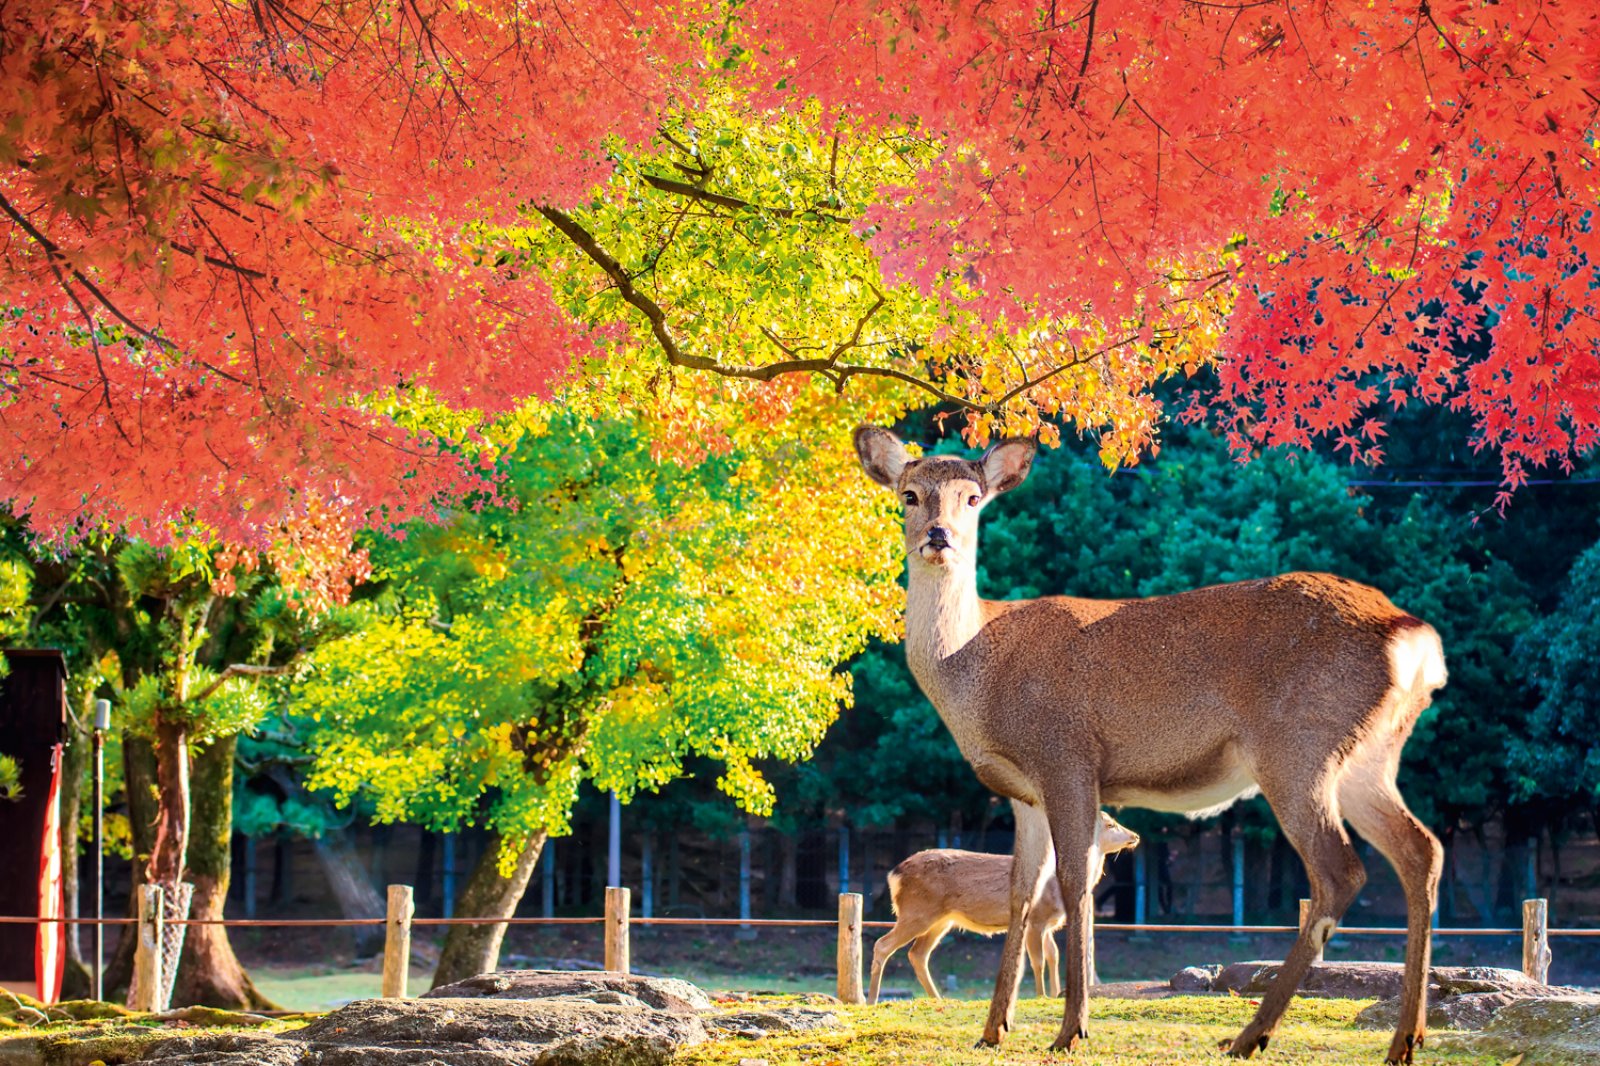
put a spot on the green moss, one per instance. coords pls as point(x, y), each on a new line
point(88, 1009)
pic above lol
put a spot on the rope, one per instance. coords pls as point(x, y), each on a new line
point(760, 923)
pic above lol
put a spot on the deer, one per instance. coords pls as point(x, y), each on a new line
point(935, 890)
point(1302, 688)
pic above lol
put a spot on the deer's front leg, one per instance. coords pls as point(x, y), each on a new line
point(1030, 863)
point(1074, 817)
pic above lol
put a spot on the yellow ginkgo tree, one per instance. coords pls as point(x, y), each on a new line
point(610, 615)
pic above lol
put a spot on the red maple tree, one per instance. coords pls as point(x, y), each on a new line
point(240, 237)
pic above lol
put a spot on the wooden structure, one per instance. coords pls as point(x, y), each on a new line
point(33, 715)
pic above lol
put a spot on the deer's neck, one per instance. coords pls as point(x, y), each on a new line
point(943, 614)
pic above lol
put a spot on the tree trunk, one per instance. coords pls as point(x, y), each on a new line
point(788, 846)
point(474, 949)
point(209, 974)
point(76, 982)
point(172, 817)
point(353, 889)
point(139, 788)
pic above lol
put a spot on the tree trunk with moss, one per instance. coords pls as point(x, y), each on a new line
point(139, 777)
point(475, 949)
point(209, 973)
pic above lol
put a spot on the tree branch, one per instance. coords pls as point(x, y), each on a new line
point(239, 670)
point(828, 366)
point(53, 253)
point(695, 192)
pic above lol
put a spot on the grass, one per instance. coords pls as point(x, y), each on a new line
point(1122, 1032)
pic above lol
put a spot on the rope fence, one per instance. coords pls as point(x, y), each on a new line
point(618, 920)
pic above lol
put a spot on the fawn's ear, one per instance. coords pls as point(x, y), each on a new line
point(883, 457)
point(1006, 464)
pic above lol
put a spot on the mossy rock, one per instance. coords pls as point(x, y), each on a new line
point(84, 1010)
point(82, 1046)
point(213, 1018)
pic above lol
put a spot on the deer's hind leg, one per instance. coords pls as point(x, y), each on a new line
point(1308, 810)
point(903, 933)
point(1371, 802)
point(1038, 954)
point(921, 949)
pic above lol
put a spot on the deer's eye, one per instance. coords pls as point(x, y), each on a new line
point(910, 498)
point(972, 501)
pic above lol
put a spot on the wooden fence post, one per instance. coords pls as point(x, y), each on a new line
point(1305, 917)
point(144, 993)
point(850, 948)
point(397, 942)
point(1536, 939)
point(618, 904)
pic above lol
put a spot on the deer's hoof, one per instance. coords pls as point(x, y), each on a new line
point(1242, 1048)
point(985, 1041)
point(1401, 1050)
point(1068, 1041)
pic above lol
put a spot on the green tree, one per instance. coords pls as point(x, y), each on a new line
point(609, 617)
point(1558, 758)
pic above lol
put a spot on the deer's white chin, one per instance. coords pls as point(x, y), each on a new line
point(936, 556)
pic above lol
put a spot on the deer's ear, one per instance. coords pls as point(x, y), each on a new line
point(882, 454)
point(1006, 464)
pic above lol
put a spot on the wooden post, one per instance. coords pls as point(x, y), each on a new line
point(397, 942)
point(1536, 939)
point(1305, 919)
point(850, 948)
point(618, 905)
point(144, 993)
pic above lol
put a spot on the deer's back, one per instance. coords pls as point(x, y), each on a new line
point(1183, 687)
point(971, 888)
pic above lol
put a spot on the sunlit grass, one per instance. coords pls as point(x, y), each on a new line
point(1123, 1032)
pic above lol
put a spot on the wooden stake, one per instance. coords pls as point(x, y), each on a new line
point(1536, 939)
point(850, 948)
point(397, 942)
point(618, 904)
point(144, 993)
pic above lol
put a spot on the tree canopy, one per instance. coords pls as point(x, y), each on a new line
point(246, 242)
point(612, 616)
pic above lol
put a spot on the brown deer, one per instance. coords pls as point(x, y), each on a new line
point(936, 890)
point(1303, 687)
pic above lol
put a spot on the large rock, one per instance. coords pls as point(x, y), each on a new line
point(1472, 1010)
point(1547, 1031)
point(463, 1032)
point(1370, 980)
point(663, 993)
point(1194, 979)
point(1457, 1003)
point(759, 1023)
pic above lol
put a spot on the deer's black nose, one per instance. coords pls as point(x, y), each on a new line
point(938, 537)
